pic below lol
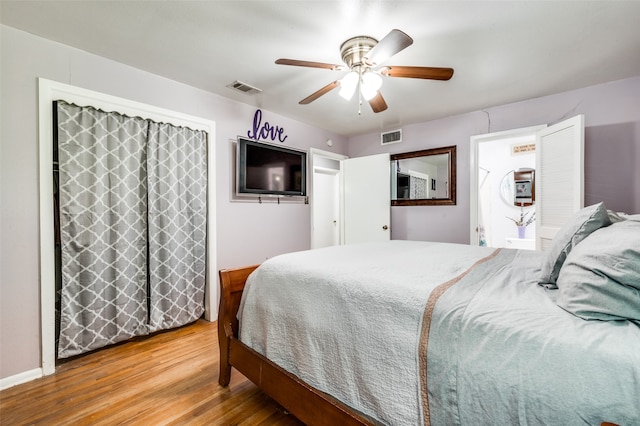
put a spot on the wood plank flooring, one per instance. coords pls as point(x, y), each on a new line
point(170, 378)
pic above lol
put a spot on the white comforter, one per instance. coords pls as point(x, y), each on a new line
point(354, 333)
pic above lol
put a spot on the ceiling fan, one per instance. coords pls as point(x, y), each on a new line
point(362, 56)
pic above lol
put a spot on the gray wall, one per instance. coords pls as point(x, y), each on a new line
point(612, 152)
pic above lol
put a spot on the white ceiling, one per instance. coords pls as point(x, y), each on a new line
point(502, 51)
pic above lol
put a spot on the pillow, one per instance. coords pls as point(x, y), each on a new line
point(577, 228)
point(601, 277)
point(618, 217)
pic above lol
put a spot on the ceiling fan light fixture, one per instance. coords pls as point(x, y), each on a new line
point(348, 85)
point(371, 83)
point(362, 56)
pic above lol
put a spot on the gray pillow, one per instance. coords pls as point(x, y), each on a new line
point(577, 228)
point(601, 277)
point(618, 217)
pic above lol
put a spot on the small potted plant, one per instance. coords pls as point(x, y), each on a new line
point(523, 221)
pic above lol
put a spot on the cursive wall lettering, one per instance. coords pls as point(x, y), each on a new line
point(265, 131)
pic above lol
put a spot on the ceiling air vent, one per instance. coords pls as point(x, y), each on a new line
point(394, 136)
point(244, 87)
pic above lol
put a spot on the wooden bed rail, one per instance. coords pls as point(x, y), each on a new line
point(309, 405)
point(231, 286)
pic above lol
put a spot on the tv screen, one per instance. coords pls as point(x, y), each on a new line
point(266, 169)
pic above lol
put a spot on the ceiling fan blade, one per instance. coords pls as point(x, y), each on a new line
point(429, 73)
point(312, 97)
point(377, 103)
point(391, 44)
point(309, 64)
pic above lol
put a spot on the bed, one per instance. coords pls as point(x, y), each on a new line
point(408, 332)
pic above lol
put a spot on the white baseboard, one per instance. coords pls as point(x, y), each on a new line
point(20, 378)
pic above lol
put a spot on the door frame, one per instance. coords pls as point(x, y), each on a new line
point(475, 141)
point(49, 91)
point(314, 155)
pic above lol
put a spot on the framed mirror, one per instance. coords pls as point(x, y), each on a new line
point(424, 178)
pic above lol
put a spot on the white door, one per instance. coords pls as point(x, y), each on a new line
point(366, 205)
point(325, 208)
point(559, 176)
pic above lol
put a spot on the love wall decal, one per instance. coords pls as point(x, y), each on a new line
point(265, 131)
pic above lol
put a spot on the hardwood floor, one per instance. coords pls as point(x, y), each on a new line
point(167, 379)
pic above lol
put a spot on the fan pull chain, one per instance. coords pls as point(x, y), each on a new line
point(359, 100)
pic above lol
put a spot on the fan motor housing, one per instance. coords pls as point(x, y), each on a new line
point(354, 49)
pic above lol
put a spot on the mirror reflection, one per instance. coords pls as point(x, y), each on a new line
point(424, 177)
point(518, 187)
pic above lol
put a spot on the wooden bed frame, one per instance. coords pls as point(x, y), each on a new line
point(308, 404)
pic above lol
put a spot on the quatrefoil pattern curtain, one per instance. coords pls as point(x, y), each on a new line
point(177, 172)
point(417, 188)
point(132, 209)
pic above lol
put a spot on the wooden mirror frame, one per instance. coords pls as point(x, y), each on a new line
point(451, 200)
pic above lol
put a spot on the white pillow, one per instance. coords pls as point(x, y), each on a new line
point(577, 228)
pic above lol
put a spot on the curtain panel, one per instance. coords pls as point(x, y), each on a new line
point(132, 202)
point(418, 188)
point(177, 175)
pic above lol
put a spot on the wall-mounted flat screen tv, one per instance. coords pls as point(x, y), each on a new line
point(267, 169)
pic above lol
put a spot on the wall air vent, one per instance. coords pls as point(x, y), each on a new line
point(394, 136)
point(244, 87)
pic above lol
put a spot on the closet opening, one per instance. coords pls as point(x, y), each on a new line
point(106, 194)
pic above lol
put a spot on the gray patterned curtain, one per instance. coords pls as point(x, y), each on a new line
point(103, 228)
point(177, 168)
point(132, 227)
point(417, 188)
